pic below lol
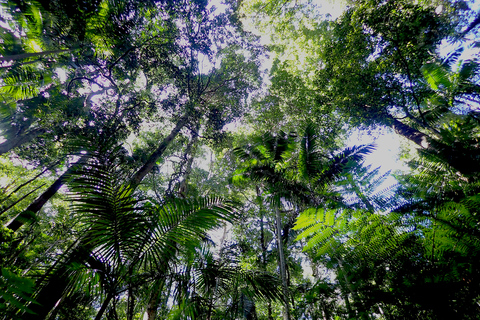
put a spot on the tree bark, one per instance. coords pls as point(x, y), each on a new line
point(148, 166)
point(21, 218)
point(37, 205)
point(456, 156)
point(130, 303)
point(104, 306)
point(351, 314)
point(154, 300)
point(19, 140)
point(58, 279)
point(282, 264)
point(185, 167)
point(262, 231)
point(410, 133)
point(155, 295)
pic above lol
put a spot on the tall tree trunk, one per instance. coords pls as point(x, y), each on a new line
point(186, 166)
point(130, 303)
point(364, 312)
point(17, 141)
point(351, 314)
point(456, 155)
point(412, 134)
point(104, 306)
point(153, 301)
point(37, 205)
point(148, 166)
point(155, 294)
point(263, 245)
point(25, 216)
point(282, 264)
point(57, 280)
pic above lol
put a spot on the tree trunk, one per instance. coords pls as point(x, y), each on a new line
point(52, 291)
point(17, 141)
point(186, 166)
point(351, 314)
point(148, 166)
point(263, 245)
point(104, 306)
point(356, 297)
point(130, 303)
point(456, 155)
point(154, 300)
point(25, 216)
point(410, 133)
point(158, 286)
point(282, 264)
point(37, 205)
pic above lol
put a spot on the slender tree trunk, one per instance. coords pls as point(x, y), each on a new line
point(130, 304)
point(269, 311)
point(104, 306)
point(282, 264)
point(158, 286)
point(148, 166)
point(25, 216)
point(17, 141)
point(264, 259)
point(364, 312)
point(153, 301)
point(351, 314)
point(263, 245)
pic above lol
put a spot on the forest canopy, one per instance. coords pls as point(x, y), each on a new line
point(162, 160)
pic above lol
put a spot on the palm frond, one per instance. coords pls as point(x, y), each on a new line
point(261, 285)
point(23, 82)
point(344, 160)
point(181, 222)
point(436, 76)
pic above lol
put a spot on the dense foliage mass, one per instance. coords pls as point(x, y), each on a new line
point(126, 194)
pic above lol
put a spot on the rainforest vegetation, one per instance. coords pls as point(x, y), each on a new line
point(181, 159)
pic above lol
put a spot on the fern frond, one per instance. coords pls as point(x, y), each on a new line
point(23, 82)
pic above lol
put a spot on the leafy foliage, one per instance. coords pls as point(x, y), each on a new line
point(118, 157)
point(14, 288)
